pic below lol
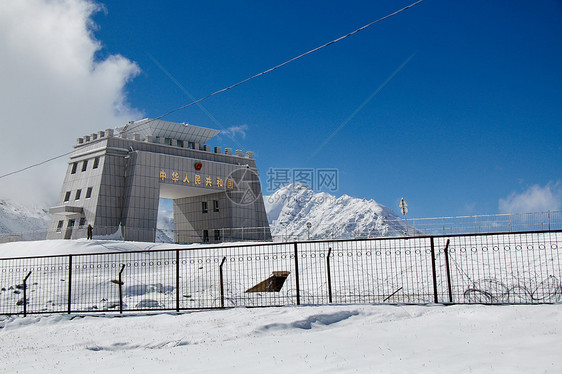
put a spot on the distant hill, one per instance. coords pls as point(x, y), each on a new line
point(16, 218)
point(291, 207)
point(288, 210)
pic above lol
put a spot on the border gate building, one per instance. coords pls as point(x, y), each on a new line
point(114, 183)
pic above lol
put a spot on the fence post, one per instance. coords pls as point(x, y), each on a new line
point(435, 298)
point(221, 281)
point(177, 280)
point(120, 290)
point(69, 283)
point(297, 274)
point(448, 271)
point(329, 275)
point(25, 294)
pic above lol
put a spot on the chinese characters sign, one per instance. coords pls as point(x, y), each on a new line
point(196, 180)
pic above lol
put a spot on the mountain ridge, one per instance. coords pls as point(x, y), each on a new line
point(289, 210)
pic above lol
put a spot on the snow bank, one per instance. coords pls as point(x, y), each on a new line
point(327, 339)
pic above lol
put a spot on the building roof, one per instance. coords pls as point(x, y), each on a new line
point(164, 129)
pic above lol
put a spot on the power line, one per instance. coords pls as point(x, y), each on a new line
point(34, 165)
point(127, 128)
point(286, 62)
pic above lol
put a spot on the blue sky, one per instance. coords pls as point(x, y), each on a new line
point(472, 114)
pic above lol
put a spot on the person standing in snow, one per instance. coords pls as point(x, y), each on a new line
point(90, 232)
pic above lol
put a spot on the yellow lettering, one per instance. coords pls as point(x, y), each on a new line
point(197, 179)
point(162, 175)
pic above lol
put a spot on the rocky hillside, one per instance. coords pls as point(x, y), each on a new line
point(292, 207)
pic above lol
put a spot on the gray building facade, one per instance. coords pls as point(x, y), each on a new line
point(115, 179)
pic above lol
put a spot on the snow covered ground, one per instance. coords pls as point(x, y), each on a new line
point(308, 339)
point(311, 339)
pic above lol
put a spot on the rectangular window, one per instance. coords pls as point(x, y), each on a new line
point(205, 235)
point(59, 226)
point(215, 205)
point(204, 208)
point(89, 192)
point(96, 163)
point(180, 143)
point(71, 223)
point(67, 196)
point(82, 221)
point(84, 165)
point(168, 141)
point(74, 167)
point(217, 235)
point(191, 145)
point(78, 193)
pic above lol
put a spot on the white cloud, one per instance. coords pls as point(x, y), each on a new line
point(233, 131)
point(53, 90)
point(534, 199)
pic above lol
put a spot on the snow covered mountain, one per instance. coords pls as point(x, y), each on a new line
point(16, 218)
point(290, 209)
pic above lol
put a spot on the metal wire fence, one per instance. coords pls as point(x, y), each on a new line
point(494, 268)
point(516, 222)
point(477, 224)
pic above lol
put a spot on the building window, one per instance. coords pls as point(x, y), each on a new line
point(82, 221)
point(215, 205)
point(168, 141)
point(96, 163)
point(191, 145)
point(59, 226)
point(217, 235)
point(205, 235)
point(78, 193)
point(89, 192)
point(204, 207)
point(74, 167)
point(67, 196)
point(84, 165)
point(180, 143)
point(71, 223)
